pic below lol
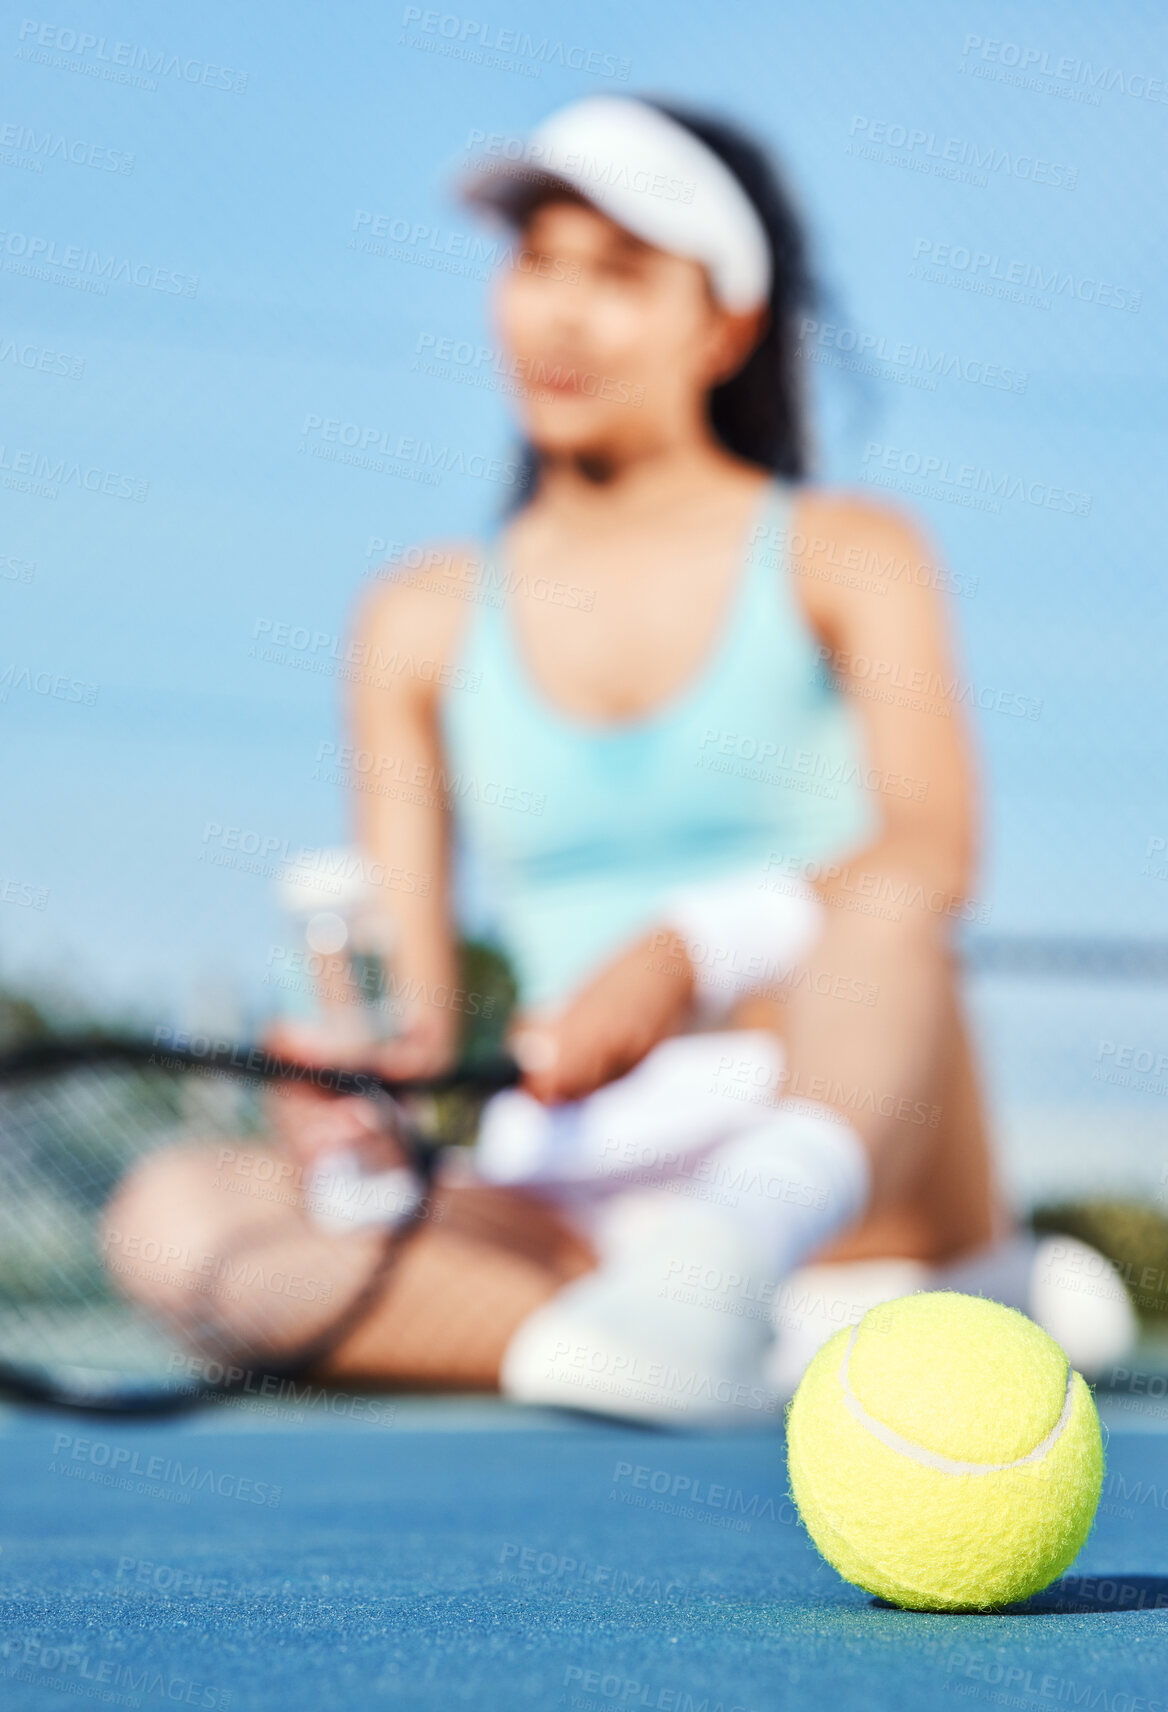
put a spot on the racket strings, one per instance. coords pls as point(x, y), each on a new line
point(65, 1143)
point(68, 1142)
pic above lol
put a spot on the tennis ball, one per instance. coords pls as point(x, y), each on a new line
point(944, 1455)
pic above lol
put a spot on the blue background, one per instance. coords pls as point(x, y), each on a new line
point(255, 190)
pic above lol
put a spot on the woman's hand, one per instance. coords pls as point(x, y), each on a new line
point(426, 1046)
point(638, 999)
point(311, 1124)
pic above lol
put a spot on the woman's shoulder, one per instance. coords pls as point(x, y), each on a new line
point(846, 514)
point(845, 546)
point(423, 594)
point(409, 623)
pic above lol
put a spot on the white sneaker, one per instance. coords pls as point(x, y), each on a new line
point(1076, 1296)
point(665, 1337)
point(1065, 1286)
point(813, 1302)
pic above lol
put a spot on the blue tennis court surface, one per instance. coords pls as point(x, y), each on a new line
point(460, 1553)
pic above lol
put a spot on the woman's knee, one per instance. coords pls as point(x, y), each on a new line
point(165, 1229)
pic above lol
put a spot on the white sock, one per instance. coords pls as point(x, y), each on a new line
point(792, 1182)
point(689, 1092)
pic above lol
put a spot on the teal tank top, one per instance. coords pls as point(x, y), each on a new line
point(574, 830)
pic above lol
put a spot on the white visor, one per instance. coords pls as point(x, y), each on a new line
point(653, 177)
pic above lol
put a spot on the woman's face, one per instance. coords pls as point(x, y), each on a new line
point(615, 344)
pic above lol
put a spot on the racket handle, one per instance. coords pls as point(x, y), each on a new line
point(41, 1057)
point(487, 1076)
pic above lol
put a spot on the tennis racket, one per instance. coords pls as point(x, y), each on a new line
point(80, 1119)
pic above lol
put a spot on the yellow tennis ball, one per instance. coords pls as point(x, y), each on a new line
point(944, 1455)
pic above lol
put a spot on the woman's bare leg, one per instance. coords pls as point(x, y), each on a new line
point(955, 1205)
point(459, 1290)
point(246, 1277)
point(936, 1196)
point(220, 1247)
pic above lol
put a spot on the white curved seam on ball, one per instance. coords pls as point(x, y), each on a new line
point(929, 1458)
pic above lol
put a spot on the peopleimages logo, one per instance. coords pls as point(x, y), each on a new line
point(959, 151)
point(43, 475)
point(355, 443)
point(98, 56)
point(932, 363)
point(46, 683)
point(27, 252)
point(64, 1668)
point(36, 148)
point(122, 1464)
point(25, 355)
point(971, 478)
point(986, 268)
point(617, 1690)
point(1065, 68)
point(469, 254)
point(476, 39)
point(486, 364)
point(493, 152)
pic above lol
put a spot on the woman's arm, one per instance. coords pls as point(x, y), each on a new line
point(408, 638)
point(404, 639)
point(887, 644)
point(863, 1034)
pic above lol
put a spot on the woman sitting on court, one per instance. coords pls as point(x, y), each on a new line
point(726, 698)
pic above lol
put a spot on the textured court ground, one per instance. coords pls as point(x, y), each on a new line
point(459, 1553)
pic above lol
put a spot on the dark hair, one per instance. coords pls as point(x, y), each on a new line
point(759, 413)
